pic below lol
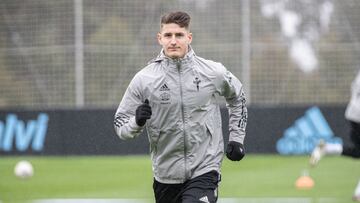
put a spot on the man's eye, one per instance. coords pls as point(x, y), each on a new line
point(167, 35)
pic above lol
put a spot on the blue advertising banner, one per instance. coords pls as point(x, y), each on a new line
point(305, 134)
point(285, 130)
point(19, 135)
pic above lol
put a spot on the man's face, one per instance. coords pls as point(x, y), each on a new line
point(175, 40)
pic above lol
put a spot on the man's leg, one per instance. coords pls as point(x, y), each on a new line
point(201, 189)
point(317, 153)
point(353, 151)
point(167, 193)
point(356, 196)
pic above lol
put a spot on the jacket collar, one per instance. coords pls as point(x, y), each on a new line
point(163, 58)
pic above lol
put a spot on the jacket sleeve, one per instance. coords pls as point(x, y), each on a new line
point(232, 89)
point(124, 121)
point(352, 112)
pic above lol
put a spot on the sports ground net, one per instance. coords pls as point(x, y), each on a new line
point(83, 53)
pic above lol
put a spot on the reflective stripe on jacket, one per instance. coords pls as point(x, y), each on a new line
point(185, 130)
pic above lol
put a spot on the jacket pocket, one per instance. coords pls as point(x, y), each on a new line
point(154, 136)
point(212, 125)
point(215, 135)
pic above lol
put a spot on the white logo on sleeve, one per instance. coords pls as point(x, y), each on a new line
point(204, 199)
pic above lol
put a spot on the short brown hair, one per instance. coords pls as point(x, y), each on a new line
point(178, 17)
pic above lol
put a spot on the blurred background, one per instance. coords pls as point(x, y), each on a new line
point(83, 53)
point(65, 64)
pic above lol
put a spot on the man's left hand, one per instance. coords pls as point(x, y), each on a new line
point(235, 151)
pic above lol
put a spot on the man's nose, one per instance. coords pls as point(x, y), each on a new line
point(173, 40)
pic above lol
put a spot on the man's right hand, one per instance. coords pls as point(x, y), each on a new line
point(143, 112)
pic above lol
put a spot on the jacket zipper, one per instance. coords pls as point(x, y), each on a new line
point(178, 66)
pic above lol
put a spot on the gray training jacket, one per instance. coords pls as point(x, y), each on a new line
point(184, 131)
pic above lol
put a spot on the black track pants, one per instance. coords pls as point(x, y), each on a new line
point(201, 189)
point(354, 150)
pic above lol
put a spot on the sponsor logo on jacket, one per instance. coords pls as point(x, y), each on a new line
point(165, 96)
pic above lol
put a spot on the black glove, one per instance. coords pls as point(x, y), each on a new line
point(235, 151)
point(143, 112)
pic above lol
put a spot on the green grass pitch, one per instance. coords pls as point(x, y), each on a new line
point(257, 176)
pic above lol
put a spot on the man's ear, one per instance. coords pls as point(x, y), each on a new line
point(159, 37)
point(190, 37)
